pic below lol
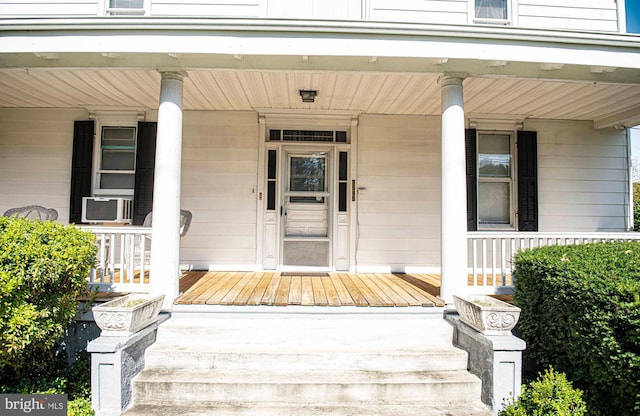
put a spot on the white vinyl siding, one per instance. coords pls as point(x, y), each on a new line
point(35, 158)
point(399, 213)
point(582, 177)
point(9, 8)
point(315, 9)
point(225, 8)
point(219, 177)
point(424, 11)
point(591, 15)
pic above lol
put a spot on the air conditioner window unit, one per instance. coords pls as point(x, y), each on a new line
point(106, 210)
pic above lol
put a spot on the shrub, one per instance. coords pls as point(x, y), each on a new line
point(581, 315)
point(43, 267)
point(636, 215)
point(550, 394)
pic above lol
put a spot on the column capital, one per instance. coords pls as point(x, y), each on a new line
point(172, 74)
point(452, 78)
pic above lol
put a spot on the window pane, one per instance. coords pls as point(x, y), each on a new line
point(342, 168)
point(494, 203)
point(118, 148)
point(119, 136)
point(126, 4)
point(342, 197)
point(494, 155)
point(271, 195)
point(271, 162)
point(116, 181)
point(491, 9)
point(118, 159)
point(307, 174)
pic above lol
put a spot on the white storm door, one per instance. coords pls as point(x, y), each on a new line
point(305, 210)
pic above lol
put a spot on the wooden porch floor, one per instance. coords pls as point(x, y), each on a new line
point(309, 289)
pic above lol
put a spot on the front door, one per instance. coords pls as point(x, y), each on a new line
point(306, 205)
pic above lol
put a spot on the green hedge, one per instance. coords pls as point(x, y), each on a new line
point(43, 267)
point(581, 315)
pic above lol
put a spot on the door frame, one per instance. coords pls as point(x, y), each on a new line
point(342, 225)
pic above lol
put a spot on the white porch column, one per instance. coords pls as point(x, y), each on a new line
point(453, 238)
point(165, 235)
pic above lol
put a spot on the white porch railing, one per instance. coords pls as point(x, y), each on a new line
point(491, 254)
point(122, 260)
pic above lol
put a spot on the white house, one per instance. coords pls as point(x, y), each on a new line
point(339, 135)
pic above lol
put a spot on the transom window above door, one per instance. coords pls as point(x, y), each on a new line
point(308, 136)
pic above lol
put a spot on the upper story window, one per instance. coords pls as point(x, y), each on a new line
point(492, 11)
point(126, 7)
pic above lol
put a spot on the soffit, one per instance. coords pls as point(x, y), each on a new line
point(355, 92)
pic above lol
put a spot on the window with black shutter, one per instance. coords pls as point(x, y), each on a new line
point(125, 165)
point(498, 197)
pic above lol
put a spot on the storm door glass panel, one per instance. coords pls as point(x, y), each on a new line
point(307, 174)
point(491, 9)
point(494, 202)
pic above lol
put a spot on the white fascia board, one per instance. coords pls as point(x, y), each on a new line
point(319, 38)
point(626, 119)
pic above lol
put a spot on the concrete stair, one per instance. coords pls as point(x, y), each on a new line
point(293, 364)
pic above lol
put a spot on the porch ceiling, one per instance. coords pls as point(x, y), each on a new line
point(384, 92)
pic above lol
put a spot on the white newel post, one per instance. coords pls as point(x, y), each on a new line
point(165, 234)
point(453, 236)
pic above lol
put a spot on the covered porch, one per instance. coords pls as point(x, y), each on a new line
point(411, 110)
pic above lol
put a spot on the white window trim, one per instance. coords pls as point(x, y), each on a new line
point(511, 180)
point(110, 119)
point(511, 20)
point(105, 10)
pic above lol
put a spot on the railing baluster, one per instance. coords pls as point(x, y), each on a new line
point(484, 262)
point(493, 262)
point(485, 276)
point(503, 262)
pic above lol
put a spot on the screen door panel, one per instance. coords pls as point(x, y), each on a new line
point(306, 210)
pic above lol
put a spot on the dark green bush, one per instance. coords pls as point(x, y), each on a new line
point(43, 267)
point(550, 394)
point(581, 315)
point(636, 215)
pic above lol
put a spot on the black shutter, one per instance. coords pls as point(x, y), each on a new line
point(527, 181)
point(81, 167)
point(145, 167)
point(472, 179)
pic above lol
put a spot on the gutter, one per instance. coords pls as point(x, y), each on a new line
point(313, 28)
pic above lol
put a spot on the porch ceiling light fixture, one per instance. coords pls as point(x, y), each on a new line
point(308, 96)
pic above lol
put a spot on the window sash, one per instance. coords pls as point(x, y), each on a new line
point(495, 174)
point(492, 10)
point(116, 160)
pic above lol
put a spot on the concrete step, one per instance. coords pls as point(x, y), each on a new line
point(377, 332)
point(277, 357)
point(313, 387)
point(299, 364)
point(276, 409)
